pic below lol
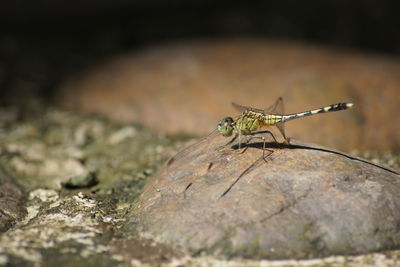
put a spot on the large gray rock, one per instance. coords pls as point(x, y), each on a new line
point(302, 201)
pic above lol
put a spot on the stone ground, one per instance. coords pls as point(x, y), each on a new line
point(68, 184)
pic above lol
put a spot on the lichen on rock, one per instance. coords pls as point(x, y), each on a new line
point(55, 149)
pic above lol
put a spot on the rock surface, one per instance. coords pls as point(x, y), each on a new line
point(189, 86)
point(81, 224)
point(11, 202)
point(48, 152)
point(55, 149)
point(74, 230)
point(300, 201)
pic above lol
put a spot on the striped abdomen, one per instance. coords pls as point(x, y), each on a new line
point(331, 108)
point(260, 119)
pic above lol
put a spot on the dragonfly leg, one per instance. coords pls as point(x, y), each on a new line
point(287, 141)
point(240, 141)
point(263, 132)
point(264, 144)
point(264, 148)
point(239, 137)
point(240, 144)
point(230, 142)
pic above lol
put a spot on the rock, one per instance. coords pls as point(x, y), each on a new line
point(11, 202)
point(55, 149)
point(93, 226)
point(189, 86)
point(77, 229)
point(58, 229)
point(46, 148)
point(81, 181)
point(299, 201)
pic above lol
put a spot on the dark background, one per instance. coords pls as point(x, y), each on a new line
point(43, 42)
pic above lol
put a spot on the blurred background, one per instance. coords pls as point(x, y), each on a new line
point(63, 52)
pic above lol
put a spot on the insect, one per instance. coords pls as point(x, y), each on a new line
point(251, 120)
point(254, 123)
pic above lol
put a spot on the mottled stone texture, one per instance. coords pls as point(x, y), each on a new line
point(11, 200)
point(58, 217)
point(189, 86)
point(300, 201)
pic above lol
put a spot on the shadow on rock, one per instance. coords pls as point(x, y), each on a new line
point(299, 201)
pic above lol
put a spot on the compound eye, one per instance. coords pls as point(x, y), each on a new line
point(228, 121)
point(224, 121)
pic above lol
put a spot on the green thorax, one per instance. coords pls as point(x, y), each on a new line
point(245, 124)
point(251, 121)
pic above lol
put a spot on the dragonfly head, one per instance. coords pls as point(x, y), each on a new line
point(226, 126)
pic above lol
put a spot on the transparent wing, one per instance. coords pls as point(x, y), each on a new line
point(241, 108)
point(278, 108)
point(193, 148)
point(181, 154)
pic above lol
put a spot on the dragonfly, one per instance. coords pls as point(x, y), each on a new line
point(255, 123)
point(252, 120)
